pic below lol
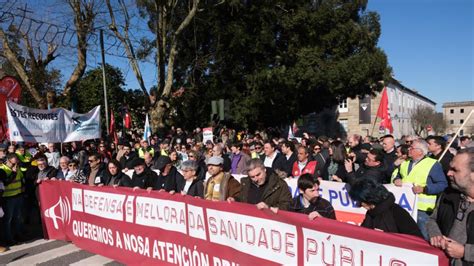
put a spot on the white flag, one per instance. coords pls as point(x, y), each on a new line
point(290, 133)
point(147, 130)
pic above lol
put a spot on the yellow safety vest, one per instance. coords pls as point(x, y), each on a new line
point(24, 159)
point(141, 153)
point(396, 170)
point(418, 176)
point(15, 187)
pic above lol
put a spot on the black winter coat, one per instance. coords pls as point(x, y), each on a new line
point(390, 217)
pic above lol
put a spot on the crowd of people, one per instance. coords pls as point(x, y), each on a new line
point(184, 163)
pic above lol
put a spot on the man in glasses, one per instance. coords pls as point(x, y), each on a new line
point(450, 227)
point(428, 179)
point(96, 171)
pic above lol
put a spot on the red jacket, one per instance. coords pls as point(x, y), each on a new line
point(309, 168)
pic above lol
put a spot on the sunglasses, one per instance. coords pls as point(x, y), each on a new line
point(72, 165)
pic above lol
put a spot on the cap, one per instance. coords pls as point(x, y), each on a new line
point(215, 160)
point(162, 161)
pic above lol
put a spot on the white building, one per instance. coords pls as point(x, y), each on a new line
point(402, 103)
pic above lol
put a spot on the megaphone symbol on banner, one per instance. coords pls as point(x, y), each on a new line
point(63, 214)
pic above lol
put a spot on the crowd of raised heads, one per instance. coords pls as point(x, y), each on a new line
point(236, 166)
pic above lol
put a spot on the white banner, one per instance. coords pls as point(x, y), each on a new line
point(55, 125)
point(338, 194)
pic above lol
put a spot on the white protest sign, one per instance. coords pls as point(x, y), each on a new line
point(55, 125)
point(207, 134)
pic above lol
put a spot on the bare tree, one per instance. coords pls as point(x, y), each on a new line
point(423, 117)
point(166, 32)
point(84, 14)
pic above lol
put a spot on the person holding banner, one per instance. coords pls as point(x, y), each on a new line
point(169, 179)
point(451, 226)
point(309, 201)
point(264, 188)
point(382, 211)
point(220, 186)
point(114, 176)
point(95, 171)
point(192, 185)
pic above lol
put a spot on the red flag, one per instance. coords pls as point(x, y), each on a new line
point(112, 131)
point(127, 120)
point(383, 112)
point(10, 90)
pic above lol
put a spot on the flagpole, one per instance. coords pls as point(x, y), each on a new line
point(373, 127)
point(104, 81)
point(455, 136)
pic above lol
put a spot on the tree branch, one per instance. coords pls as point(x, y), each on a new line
point(20, 70)
point(125, 40)
point(83, 20)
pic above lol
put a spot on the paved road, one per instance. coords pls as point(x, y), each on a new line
point(52, 253)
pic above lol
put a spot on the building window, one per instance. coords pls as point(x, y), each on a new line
point(451, 111)
point(451, 122)
point(461, 121)
point(462, 111)
point(343, 106)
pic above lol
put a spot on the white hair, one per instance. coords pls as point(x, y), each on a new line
point(422, 145)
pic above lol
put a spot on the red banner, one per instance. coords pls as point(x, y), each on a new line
point(142, 228)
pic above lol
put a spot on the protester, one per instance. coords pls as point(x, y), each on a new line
point(114, 176)
point(142, 176)
point(3, 180)
point(390, 156)
point(169, 179)
point(95, 172)
point(272, 158)
point(303, 165)
point(335, 169)
point(77, 175)
point(220, 186)
point(149, 160)
point(127, 157)
point(44, 171)
point(264, 188)
point(239, 159)
point(192, 185)
point(436, 146)
point(288, 150)
point(12, 200)
point(382, 211)
point(428, 178)
point(144, 148)
point(450, 227)
point(373, 168)
point(217, 151)
point(63, 171)
point(402, 156)
point(309, 201)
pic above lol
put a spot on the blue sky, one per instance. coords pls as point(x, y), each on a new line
point(429, 44)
